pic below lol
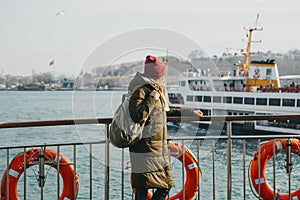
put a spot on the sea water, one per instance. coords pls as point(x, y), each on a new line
point(57, 105)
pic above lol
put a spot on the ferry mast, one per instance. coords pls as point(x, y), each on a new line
point(247, 53)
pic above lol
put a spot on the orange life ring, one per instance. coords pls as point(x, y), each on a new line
point(266, 153)
point(16, 168)
point(192, 172)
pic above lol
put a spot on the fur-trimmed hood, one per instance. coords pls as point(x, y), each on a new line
point(140, 80)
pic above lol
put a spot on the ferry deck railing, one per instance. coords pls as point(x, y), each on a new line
point(106, 121)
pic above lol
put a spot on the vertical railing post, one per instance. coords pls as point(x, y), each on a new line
point(258, 170)
point(122, 175)
point(7, 173)
point(106, 162)
point(274, 168)
point(182, 169)
point(289, 163)
point(25, 174)
point(91, 171)
point(229, 146)
point(213, 169)
point(75, 170)
point(58, 170)
point(169, 155)
point(244, 168)
point(198, 165)
point(42, 171)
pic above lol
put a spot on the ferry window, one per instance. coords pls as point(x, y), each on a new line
point(261, 101)
point(207, 99)
point(227, 99)
point(249, 100)
point(229, 113)
point(269, 72)
point(198, 98)
point(217, 99)
point(182, 83)
point(205, 112)
point(238, 100)
point(274, 102)
point(189, 98)
point(180, 98)
point(171, 95)
point(298, 102)
point(288, 102)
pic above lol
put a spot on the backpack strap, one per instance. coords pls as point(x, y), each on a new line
point(148, 88)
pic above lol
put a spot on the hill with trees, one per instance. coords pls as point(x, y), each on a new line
point(119, 75)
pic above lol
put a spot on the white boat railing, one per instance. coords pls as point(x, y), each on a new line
point(229, 136)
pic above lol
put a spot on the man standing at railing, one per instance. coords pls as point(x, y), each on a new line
point(149, 157)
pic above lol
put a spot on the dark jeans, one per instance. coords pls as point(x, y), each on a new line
point(159, 194)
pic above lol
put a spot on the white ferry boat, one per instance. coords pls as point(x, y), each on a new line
point(254, 89)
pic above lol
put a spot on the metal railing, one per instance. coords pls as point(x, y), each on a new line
point(229, 136)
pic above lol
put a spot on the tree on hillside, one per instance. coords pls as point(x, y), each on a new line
point(195, 54)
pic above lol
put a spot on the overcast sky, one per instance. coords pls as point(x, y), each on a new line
point(34, 32)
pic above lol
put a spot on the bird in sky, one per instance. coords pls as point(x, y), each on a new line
point(61, 13)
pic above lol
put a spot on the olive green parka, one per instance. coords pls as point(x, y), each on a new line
point(150, 165)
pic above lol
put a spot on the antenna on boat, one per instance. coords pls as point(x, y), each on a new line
point(256, 21)
point(247, 53)
point(167, 108)
point(167, 63)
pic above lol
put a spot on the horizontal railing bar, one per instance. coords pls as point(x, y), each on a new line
point(233, 118)
point(221, 137)
point(265, 136)
point(224, 137)
point(207, 137)
point(54, 123)
point(52, 144)
point(170, 119)
point(198, 137)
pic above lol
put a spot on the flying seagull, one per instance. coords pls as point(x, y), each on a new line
point(61, 13)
